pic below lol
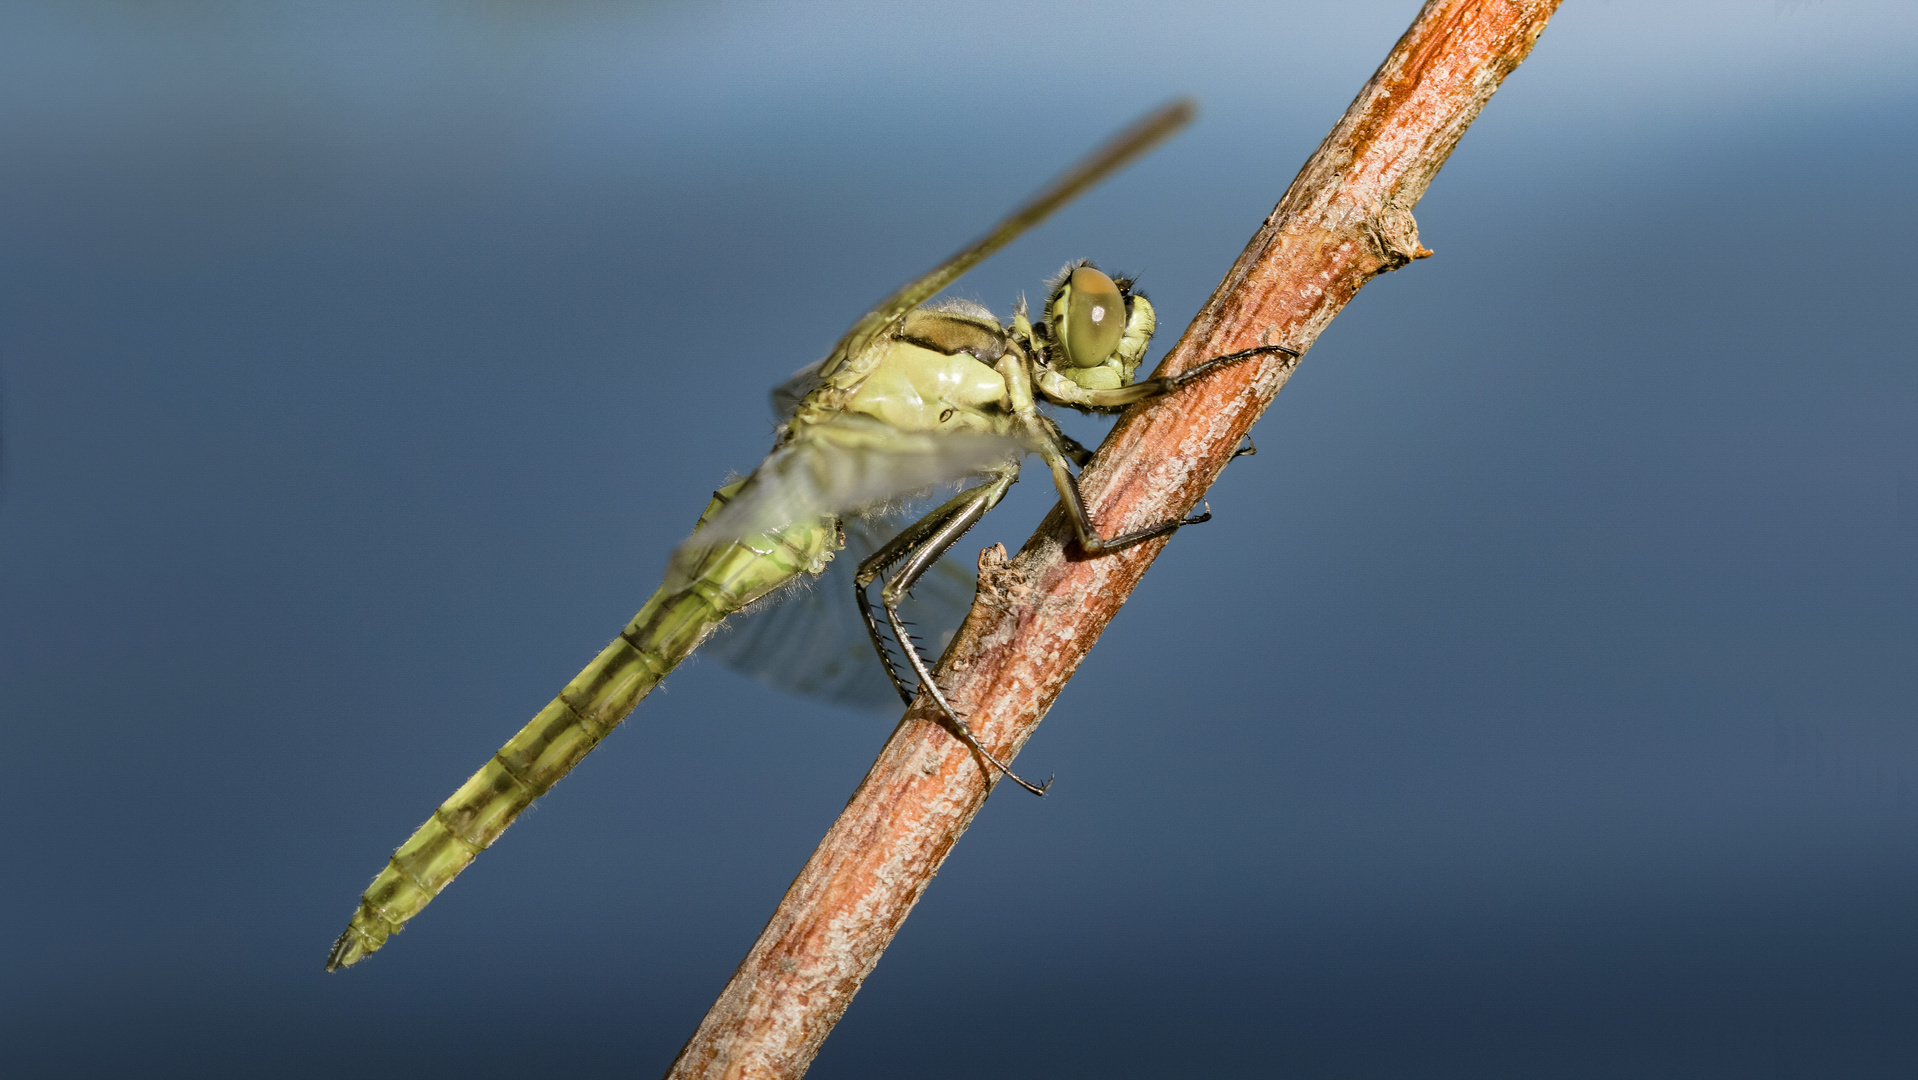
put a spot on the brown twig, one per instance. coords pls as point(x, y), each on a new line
point(1345, 219)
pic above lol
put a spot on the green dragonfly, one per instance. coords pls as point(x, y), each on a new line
point(911, 399)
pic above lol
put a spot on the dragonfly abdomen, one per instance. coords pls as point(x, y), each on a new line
point(674, 621)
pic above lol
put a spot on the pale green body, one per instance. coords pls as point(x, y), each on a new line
point(904, 385)
point(911, 398)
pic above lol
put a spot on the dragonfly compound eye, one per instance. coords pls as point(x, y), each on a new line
point(1094, 318)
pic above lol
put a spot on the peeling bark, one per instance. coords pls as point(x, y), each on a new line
point(1346, 219)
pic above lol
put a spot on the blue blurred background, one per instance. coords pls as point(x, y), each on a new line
point(1541, 702)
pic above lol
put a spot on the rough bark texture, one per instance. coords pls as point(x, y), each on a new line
point(1345, 219)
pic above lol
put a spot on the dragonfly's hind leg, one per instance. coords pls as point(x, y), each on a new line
point(918, 548)
point(875, 566)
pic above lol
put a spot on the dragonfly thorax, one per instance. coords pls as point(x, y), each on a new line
point(911, 399)
point(943, 386)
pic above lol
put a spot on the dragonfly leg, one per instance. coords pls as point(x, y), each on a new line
point(876, 565)
point(1088, 534)
point(1151, 388)
point(950, 719)
point(1063, 392)
point(917, 549)
point(1168, 385)
point(1056, 454)
point(1073, 448)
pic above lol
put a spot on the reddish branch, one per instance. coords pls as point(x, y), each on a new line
point(1346, 219)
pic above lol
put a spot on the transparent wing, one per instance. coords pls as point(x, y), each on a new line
point(809, 639)
point(851, 464)
point(788, 395)
point(1120, 150)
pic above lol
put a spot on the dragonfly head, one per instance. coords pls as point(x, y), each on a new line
point(1096, 327)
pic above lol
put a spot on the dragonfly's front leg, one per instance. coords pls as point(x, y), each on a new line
point(920, 547)
point(1056, 454)
point(1060, 390)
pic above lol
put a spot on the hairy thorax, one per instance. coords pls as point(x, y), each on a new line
point(915, 388)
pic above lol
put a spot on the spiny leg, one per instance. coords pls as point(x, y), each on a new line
point(1082, 527)
point(951, 720)
point(1068, 485)
point(1071, 447)
point(1199, 370)
point(876, 564)
point(1147, 389)
point(927, 546)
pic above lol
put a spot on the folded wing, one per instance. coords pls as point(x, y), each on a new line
point(850, 465)
point(808, 639)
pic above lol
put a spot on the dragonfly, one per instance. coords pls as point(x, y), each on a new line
point(916, 397)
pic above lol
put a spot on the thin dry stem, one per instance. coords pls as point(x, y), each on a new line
point(1345, 219)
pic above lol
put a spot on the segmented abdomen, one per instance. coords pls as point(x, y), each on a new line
point(665, 632)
